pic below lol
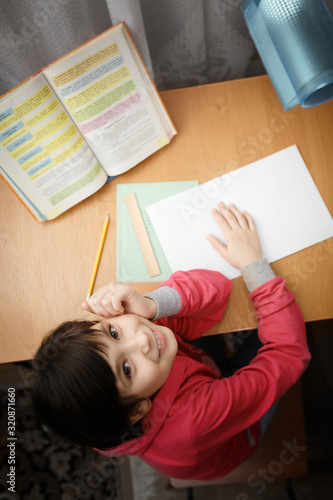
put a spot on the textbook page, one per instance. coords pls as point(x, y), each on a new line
point(108, 94)
point(43, 157)
point(277, 191)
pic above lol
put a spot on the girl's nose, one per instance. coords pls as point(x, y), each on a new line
point(142, 342)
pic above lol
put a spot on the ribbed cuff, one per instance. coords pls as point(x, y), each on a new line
point(257, 273)
point(167, 300)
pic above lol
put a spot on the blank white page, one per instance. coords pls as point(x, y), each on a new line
point(279, 193)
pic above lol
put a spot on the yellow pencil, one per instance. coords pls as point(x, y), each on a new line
point(98, 257)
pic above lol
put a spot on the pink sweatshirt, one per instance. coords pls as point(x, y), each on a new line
point(199, 424)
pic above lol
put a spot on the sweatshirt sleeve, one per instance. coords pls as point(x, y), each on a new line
point(227, 406)
point(203, 298)
point(167, 301)
point(257, 273)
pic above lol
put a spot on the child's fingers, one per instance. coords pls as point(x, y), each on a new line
point(112, 302)
point(232, 215)
point(86, 306)
point(250, 221)
point(116, 302)
point(222, 221)
point(100, 303)
point(225, 214)
point(217, 244)
point(241, 219)
point(97, 308)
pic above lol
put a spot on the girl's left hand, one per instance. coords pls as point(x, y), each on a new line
point(115, 299)
point(243, 245)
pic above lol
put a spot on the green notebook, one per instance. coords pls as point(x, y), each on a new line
point(131, 266)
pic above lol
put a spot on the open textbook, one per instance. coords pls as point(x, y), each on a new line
point(279, 193)
point(86, 118)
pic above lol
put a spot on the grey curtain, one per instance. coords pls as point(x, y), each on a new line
point(182, 43)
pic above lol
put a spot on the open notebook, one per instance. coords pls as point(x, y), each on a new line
point(277, 191)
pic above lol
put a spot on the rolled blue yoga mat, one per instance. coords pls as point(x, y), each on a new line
point(294, 39)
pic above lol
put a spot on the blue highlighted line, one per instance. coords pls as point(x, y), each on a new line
point(30, 155)
point(11, 130)
point(6, 113)
point(39, 167)
point(21, 140)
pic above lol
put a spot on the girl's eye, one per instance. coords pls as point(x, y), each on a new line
point(113, 332)
point(127, 369)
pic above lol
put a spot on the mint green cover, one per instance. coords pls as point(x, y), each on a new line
point(130, 263)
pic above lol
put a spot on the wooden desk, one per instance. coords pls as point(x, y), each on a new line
point(45, 268)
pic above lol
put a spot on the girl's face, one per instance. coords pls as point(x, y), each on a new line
point(139, 353)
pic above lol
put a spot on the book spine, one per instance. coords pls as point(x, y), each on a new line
point(19, 198)
point(151, 81)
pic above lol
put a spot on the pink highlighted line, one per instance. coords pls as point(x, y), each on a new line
point(111, 114)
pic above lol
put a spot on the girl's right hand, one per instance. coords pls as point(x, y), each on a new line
point(239, 230)
point(115, 299)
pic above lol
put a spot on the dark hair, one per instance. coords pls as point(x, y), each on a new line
point(74, 389)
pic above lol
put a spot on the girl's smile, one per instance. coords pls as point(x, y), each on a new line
point(139, 353)
point(161, 342)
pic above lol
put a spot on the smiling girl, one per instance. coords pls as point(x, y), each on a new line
point(132, 383)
